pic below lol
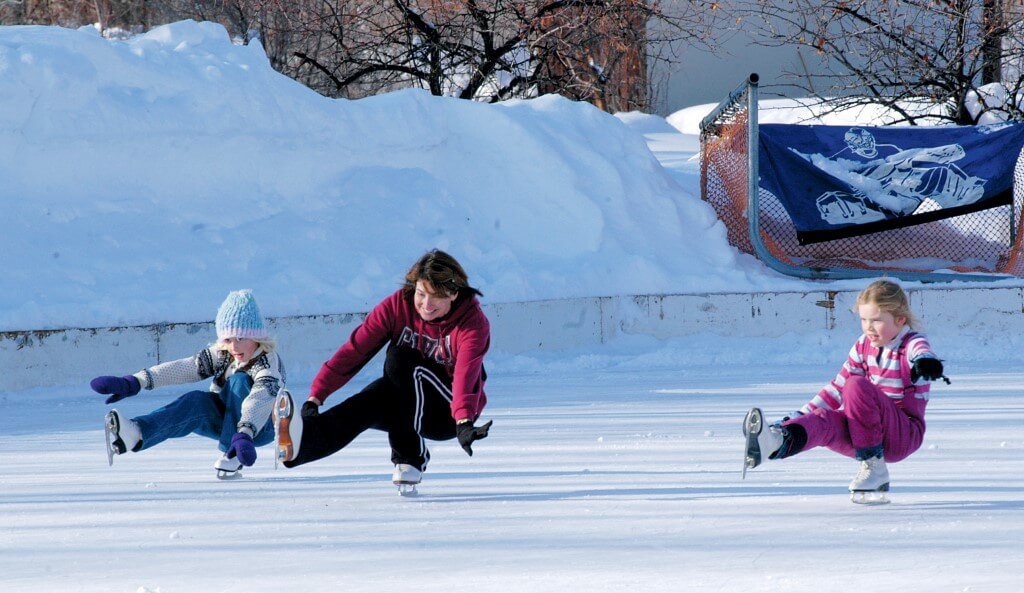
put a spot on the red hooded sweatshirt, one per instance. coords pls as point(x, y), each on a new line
point(457, 341)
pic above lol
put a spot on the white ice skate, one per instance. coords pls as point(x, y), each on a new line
point(406, 477)
point(871, 484)
point(762, 440)
point(228, 469)
point(287, 428)
point(121, 435)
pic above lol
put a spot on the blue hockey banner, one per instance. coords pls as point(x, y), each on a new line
point(842, 181)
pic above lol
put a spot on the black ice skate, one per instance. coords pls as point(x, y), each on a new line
point(762, 440)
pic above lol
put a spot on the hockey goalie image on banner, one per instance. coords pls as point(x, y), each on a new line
point(841, 181)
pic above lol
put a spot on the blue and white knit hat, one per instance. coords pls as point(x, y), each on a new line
point(239, 317)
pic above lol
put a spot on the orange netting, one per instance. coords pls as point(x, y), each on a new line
point(989, 241)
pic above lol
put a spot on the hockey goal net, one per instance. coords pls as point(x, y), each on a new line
point(986, 242)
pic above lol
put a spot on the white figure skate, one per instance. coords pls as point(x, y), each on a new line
point(871, 484)
point(762, 440)
point(228, 469)
point(406, 477)
point(121, 435)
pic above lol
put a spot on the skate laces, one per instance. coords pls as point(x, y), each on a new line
point(867, 467)
point(863, 473)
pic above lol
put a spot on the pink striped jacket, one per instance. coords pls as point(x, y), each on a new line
point(886, 367)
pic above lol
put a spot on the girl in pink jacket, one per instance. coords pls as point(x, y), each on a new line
point(874, 408)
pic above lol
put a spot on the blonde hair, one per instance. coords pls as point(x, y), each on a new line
point(268, 344)
point(890, 298)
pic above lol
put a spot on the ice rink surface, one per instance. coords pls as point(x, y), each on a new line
point(590, 481)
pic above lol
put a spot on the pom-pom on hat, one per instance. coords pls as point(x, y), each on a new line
point(239, 317)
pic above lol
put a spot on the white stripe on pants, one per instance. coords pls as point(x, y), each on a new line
point(421, 375)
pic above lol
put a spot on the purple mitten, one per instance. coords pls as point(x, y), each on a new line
point(243, 447)
point(119, 387)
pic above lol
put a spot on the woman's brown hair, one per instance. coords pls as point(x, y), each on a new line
point(442, 272)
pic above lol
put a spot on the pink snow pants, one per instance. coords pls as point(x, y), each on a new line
point(868, 417)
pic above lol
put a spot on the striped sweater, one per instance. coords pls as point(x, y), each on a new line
point(886, 369)
point(265, 369)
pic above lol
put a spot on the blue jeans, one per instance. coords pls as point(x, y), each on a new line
point(213, 415)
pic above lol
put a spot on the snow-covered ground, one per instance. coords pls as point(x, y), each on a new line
point(147, 178)
point(592, 480)
point(144, 179)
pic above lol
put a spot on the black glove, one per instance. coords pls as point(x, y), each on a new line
point(467, 433)
point(309, 409)
point(927, 368)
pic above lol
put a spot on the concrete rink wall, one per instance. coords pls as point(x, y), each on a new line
point(44, 358)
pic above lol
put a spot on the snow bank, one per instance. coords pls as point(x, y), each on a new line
point(801, 111)
point(144, 179)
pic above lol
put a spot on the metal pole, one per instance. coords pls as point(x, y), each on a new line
point(753, 173)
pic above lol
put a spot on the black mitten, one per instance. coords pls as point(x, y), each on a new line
point(467, 433)
point(309, 409)
point(927, 368)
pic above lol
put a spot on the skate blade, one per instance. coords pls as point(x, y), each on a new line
point(109, 443)
point(115, 446)
point(748, 463)
point(753, 423)
point(227, 475)
point(407, 490)
point(282, 418)
point(871, 497)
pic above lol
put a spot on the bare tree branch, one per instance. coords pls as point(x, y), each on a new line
point(897, 52)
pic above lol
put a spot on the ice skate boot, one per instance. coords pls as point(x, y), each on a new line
point(871, 484)
point(228, 469)
point(406, 477)
point(287, 428)
point(121, 435)
point(763, 440)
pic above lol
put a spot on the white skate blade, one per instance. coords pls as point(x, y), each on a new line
point(223, 474)
point(109, 441)
point(111, 429)
point(748, 463)
point(407, 490)
point(871, 497)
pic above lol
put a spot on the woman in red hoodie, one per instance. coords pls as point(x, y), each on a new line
point(433, 382)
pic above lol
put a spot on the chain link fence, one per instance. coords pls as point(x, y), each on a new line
point(988, 241)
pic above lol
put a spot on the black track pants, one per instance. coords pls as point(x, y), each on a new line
point(411, 402)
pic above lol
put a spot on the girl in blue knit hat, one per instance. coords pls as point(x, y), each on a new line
point(246, 375)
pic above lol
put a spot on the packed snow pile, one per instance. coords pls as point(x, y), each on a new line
point(991, 104)
point(144, 179)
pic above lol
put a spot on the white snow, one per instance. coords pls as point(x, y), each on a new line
point(144, 179)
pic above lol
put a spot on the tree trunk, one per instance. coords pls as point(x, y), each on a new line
point(992, 48)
